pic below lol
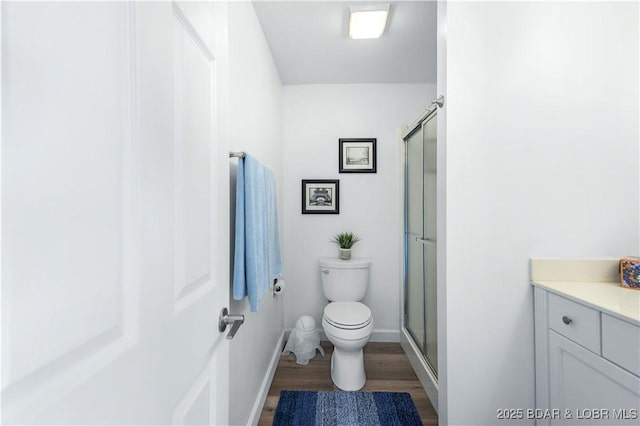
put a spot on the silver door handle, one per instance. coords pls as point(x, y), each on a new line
point(225, 319)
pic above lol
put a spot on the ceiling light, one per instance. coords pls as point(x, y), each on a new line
point(367, 21)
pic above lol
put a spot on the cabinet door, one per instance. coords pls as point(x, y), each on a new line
point(588, 389)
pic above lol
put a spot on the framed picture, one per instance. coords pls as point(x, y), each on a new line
point(357, 155)
point(320, 196)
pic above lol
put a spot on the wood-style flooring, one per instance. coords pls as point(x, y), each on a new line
point(387, 369)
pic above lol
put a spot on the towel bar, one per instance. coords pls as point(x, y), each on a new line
point(239, 154)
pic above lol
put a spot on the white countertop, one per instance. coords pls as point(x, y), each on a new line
point(593, 282)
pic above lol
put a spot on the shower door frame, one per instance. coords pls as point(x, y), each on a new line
point(417, 358)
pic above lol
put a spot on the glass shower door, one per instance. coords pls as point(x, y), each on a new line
point(429, 242)
point(414, 225)
point(420, 239)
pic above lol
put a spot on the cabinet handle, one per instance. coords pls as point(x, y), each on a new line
point(566, 320)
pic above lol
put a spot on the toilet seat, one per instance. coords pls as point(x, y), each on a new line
point(347, 315)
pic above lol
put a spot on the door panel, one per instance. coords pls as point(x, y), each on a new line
point(193, 118)
point(70, 275)
point(112, 217)
point(430, 234)
point(195, 406)
point(421, 240)
point(431, 306)
point(414, 307)
point(430, 176)
point(414, 184)
point(414, 286)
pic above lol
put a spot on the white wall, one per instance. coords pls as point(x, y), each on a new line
point(542, 150)
point(255, 126)
point(315, 117)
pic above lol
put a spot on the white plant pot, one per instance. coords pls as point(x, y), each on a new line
point(344, 254)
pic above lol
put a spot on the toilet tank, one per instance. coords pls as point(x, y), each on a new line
point(344, 280)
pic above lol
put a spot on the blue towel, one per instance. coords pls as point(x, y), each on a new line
point(275, 264)
point(257, 245)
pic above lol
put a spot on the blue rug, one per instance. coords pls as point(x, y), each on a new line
point(346, 408)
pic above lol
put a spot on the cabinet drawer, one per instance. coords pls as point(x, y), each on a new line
point(575, 321)
point(621, 343)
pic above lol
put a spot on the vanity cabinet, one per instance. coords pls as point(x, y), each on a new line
point(587, 359)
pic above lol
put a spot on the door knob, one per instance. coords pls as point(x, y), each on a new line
point(225, 319)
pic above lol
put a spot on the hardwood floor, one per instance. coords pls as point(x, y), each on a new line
point(387, 368)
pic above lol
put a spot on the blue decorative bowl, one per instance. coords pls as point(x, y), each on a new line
point(630, 272)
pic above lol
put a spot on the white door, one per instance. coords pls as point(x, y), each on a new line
point(114, 213)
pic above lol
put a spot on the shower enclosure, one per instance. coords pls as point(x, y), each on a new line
point(420, 243)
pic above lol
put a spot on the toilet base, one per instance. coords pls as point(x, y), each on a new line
point(347, 369)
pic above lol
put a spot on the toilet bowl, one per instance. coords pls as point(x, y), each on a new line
point(348, 325)
point(346, 321)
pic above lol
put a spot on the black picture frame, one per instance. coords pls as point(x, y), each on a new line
point(320, 196)
point(357, 155)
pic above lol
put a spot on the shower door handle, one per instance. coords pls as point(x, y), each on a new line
point(426, 241)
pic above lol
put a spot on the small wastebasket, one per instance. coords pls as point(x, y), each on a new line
point(304, 340)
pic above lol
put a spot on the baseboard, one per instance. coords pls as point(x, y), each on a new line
point(266, 383)
point(378, 335)
point(385, 335)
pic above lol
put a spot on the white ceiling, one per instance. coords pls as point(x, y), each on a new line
point(310, 44)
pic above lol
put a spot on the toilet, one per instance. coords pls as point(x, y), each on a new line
point(347, 323)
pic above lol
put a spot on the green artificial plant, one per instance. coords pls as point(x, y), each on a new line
point(345, 240)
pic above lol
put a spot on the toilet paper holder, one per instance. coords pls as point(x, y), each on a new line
point(278, 286)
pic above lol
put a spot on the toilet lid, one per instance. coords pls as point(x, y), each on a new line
point(349, 315)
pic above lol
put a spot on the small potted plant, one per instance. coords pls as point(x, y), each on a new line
point(345, 241)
